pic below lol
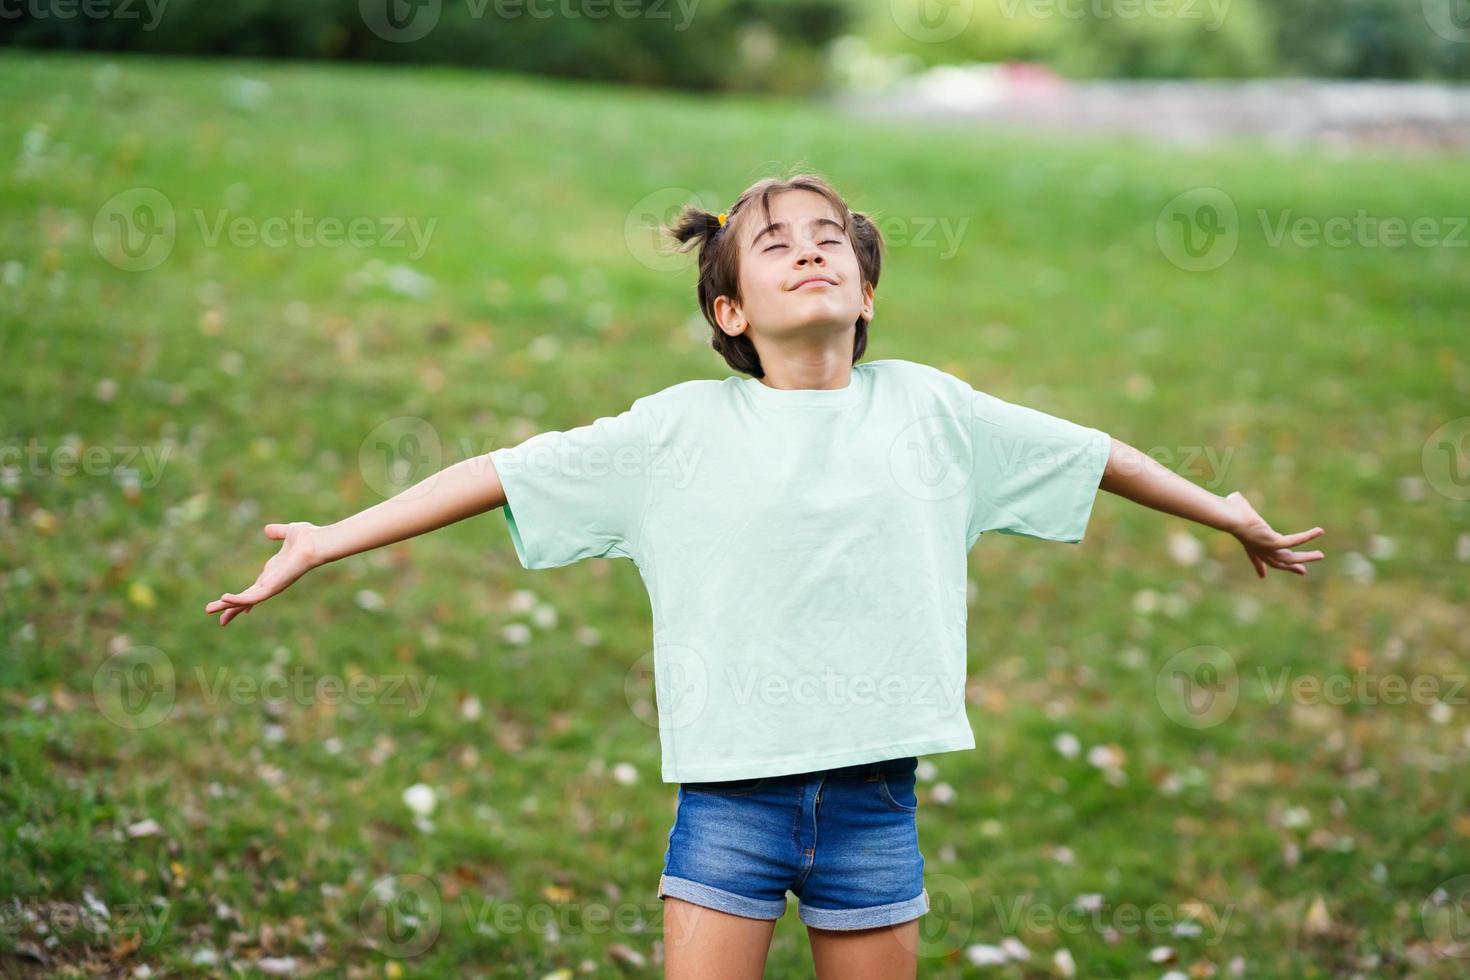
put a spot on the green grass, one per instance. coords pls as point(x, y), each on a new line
point(258, 373)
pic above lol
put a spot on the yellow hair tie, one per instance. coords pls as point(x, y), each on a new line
point(723, 215)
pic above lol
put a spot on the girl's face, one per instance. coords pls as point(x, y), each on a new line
point(799, 276)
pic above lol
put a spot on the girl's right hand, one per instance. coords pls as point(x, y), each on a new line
point(297, 556)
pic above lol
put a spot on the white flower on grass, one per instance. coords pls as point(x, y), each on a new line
point(369, 600)
point(1247, 609)
point(1357, 568)
point(544, 616)
point(1105, 756)
point(1067, 744)
point(1065, 965)
point(420, 798)
point(1185, 548)
point(1296, 816)
point(984, 955)
point(276, 966)
point(942, 794)
point(407, 282)
point(625, 773)
point(145, 828)
point(1010, 950)
point(1015, 949)
point(518, 634)
point(521, 600)
point(95, 905)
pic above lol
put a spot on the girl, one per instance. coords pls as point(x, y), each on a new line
point(803, 534)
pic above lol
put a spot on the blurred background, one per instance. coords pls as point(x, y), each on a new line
point(265, 261)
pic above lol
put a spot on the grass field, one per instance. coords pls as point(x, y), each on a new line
point(243, 818)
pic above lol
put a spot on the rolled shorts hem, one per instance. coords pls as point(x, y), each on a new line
point(719, 899)
point(868, 918)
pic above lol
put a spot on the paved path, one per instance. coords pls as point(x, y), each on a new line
point(1407, 115)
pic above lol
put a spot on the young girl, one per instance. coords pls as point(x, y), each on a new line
point(803, 534)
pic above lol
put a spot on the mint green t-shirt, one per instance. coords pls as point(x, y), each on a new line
point(804, 551)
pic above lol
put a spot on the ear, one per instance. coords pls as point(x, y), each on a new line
point(727, 314)
point(867, 313)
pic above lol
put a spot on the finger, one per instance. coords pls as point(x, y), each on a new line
point(1301, 537)
point(1300, 556)
point(1260, 566)
point(252, 595)
point(275, 532)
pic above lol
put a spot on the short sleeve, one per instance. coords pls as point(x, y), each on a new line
point(577, 493)
point(1032, 474)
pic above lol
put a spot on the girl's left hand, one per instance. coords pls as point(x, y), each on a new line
point(1266, 547)
point(298, 555)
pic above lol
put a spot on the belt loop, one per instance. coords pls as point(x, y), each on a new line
point(875, 771)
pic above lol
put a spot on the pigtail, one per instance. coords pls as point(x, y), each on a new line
point(694, 227)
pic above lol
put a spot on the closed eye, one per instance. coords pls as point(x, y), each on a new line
point(829, 241)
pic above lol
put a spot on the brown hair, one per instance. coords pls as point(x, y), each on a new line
point(719, 257)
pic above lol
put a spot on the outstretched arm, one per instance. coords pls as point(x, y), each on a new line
point(462, 490)
point(1143, 480)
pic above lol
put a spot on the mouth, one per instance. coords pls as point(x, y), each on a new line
point(814, 281)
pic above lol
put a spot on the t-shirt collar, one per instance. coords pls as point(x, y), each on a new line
point(807, 397)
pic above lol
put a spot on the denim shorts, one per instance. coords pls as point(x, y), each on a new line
point(844, 841)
